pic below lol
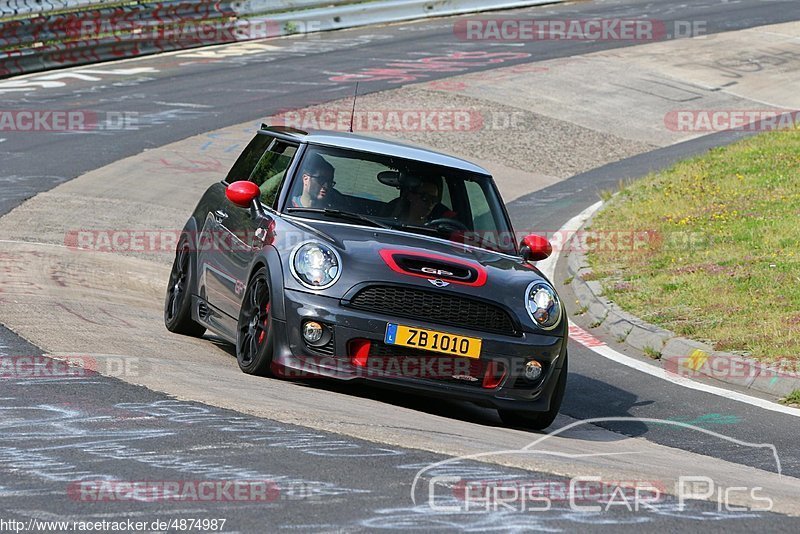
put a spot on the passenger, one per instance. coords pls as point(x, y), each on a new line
point(420, 204)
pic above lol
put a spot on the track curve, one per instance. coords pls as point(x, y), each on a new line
point(104, 303)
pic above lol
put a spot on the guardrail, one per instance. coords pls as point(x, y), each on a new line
point(37, 35)
point(30, 7)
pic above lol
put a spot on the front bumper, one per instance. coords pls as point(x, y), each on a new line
point(293, 358)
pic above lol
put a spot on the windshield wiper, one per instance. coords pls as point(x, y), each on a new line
point(339, 214)
point(425, 230)
point(446, 234)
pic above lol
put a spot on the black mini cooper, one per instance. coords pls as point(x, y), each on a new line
point(334, 255)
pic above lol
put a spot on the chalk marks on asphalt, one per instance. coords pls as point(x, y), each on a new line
point(411, 70)
point(555, 519)
point(784, 56)
point(192, 165)
point(71, 438)
point(62, 78)
point(228, 53)
point(248, 429)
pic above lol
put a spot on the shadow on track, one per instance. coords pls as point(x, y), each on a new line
point(579, 390)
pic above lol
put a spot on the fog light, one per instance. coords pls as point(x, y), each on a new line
point(533, 370)
point(312, 332)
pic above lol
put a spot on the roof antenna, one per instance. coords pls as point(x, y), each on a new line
point(353, 113)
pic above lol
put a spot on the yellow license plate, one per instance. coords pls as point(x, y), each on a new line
point(420, 338)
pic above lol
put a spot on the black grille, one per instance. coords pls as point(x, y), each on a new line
point(414, 363)
point(327, 349)
point(435, 307)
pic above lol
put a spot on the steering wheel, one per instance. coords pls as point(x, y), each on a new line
point(447, 223)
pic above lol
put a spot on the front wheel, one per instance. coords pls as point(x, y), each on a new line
point(541, 420)
point(178, 302)
point(254, 339)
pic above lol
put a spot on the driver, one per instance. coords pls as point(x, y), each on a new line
point(421, 201)
point(419, 205)
point(317, 179)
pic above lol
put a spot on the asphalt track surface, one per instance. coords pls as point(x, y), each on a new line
point(353, 485)
point(317, 481)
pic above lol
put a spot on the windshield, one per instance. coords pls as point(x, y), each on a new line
point(379, 190)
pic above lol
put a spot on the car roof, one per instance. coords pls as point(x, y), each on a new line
point(373, 145)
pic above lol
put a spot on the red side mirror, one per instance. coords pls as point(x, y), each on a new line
point(242, 193)
point(535, 248)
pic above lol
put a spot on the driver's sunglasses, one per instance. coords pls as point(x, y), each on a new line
point(425, 197)
point(323, 180)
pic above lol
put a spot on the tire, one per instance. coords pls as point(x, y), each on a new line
point(254, 333)
point(178, 301)
point(541, 420)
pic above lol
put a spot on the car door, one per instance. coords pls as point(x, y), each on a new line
point(246, 230)
point(217, 281)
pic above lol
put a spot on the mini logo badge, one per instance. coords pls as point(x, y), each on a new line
point(438, 282)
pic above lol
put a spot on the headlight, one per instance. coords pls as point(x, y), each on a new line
point(315, 265)
point(543, 305)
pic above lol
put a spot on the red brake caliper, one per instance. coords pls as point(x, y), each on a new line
point(266, 324)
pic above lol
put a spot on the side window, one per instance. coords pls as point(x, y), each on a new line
point(271, 170)
point(244, 166)
point(446, 200)
point(481, 212)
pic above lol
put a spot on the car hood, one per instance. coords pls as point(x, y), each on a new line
point(365, 241)
point(375, 255)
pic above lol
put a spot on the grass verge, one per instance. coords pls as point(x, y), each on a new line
point(715, 253)
point(793, 399)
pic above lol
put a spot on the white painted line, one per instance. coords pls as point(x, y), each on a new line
point(659, 372)
point(595, 345)
point(2, 140)
point(182, 104)
point(548, 266)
